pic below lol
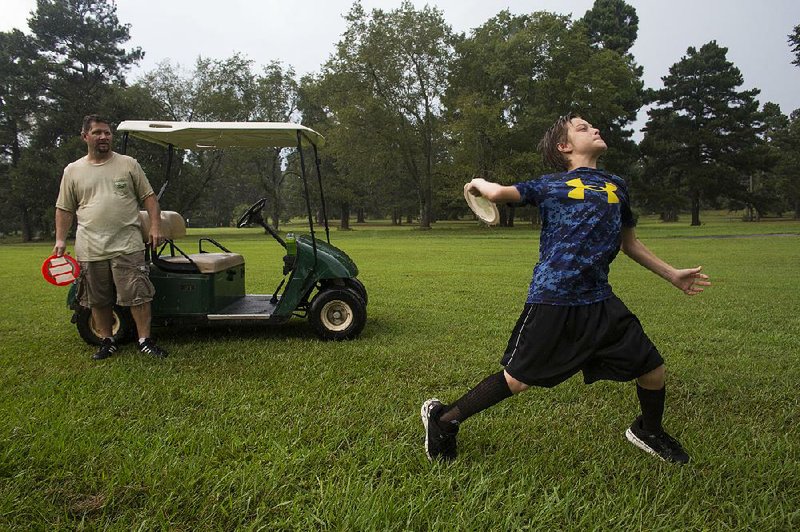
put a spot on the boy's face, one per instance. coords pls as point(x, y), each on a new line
point(582, 140)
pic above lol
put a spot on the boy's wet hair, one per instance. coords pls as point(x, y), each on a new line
point(88, 119)
point(557, 134)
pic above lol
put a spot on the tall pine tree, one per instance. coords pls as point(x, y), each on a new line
point(703, 138)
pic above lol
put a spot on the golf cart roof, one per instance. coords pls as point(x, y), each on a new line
point(209, 135)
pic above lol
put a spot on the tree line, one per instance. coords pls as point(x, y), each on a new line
point(410, 109)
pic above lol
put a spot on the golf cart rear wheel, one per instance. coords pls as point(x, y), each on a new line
point(337, 314)
point(123, 328)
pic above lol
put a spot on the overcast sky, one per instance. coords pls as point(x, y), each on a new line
point(303, 34)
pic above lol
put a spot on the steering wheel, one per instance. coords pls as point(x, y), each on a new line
point(248, 215)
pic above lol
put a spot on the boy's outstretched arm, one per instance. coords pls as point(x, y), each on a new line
point(494, 192)
point(690, 281)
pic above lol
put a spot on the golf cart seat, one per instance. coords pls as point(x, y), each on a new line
point(172, 227)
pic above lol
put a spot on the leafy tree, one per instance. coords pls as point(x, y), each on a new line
point(50, 80)
point(794, 41)
point(702, 139)
point(514, 75)
point(784, 138)
point(612, 24)
point(385, 84)
point(81, 42)
point(275, 100)
point(339, 189)
point(20, 91)
point(225, 90)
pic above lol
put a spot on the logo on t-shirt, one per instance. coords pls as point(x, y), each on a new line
point(579, 189)
point(120, 186)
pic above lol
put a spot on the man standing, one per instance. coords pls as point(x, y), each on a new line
point(104, 190)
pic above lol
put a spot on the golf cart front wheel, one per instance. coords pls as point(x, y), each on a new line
point(123, 328)
point(337, 314)
point(349, 282)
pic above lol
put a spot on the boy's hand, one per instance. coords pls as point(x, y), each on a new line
point(472, 186)
point(690, 281)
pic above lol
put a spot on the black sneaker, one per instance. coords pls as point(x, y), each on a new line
point(107, 348)
point(150, 347)
point(659, 444)
point(439, 444)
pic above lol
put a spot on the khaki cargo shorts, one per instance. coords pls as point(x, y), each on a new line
point(127, 273)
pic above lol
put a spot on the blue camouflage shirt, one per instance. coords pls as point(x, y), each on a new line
point(583, 212)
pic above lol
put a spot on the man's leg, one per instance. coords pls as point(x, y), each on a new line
point(134, 290)
point(95, 290)
point(103, 319)
point(142, 317)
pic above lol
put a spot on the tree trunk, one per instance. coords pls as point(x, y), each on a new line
point(512, 211)
point(536, 217)
point(425, 208)
point(360, 217)
point(27, 227)
point(695, 208)
point(344, 225)
point(276, 216)
point(669, 215)
point(397, 218)
point(409, 219)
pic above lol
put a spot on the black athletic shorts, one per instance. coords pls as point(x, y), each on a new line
point(551, 343)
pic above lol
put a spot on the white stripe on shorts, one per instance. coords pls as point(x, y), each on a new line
point(519, 333)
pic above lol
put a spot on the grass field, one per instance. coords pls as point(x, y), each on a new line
point(270, 428)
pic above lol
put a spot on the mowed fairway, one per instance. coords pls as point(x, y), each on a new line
point(271, 428)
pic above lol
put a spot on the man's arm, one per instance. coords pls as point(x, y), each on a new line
point(63, 223)
point(150, 204)
point(690, 281)
point(494, 192)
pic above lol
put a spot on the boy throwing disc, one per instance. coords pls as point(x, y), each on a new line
point(572, 321)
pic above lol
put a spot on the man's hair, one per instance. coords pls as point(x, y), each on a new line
point(557, 134)
point(88, 119)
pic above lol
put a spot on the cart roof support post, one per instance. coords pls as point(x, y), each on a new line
point(170, 151)
point(321, 194)
point(308, 196)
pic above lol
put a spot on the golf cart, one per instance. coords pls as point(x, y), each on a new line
point(195, 288)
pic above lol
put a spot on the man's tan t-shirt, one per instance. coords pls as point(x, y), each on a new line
point(105, 197)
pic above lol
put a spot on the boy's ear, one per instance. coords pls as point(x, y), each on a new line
point(564, 147)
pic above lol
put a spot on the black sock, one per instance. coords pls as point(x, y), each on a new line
point(652, 403)
point(488, 392)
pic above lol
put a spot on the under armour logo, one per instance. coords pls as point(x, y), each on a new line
point(578, 190)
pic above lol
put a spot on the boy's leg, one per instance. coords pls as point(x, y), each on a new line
point(651, 391)
point(647, 432)
point(441, 422)
point(488, 392)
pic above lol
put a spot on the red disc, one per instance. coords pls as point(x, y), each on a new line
point(60, 271)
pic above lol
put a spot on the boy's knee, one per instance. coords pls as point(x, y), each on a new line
point(514, 385)
point(653, 380)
